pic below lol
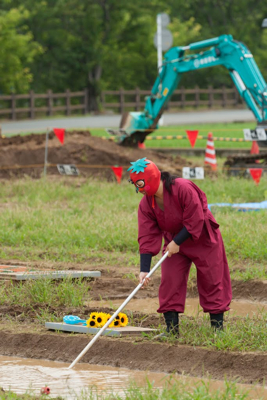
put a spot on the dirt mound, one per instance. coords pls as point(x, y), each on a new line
point(20, 155)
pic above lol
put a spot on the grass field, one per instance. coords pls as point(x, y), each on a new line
point(223, 133)
point(220, 130)
point(43, 295)
point(172, 389)
point(61, 221)
point(94, 222)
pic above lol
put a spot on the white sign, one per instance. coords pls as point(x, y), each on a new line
point(64, 169)
point(165, 19)
point(193, 173)
point(166, 39)
point(257, 134)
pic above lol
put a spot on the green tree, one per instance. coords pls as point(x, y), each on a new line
point(17, 52)
point(240, 18)
point(108, 44)
point(93, 43)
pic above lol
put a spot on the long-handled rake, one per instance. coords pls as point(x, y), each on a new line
point(117, 312)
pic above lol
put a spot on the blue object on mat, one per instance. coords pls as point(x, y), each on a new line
point(73, 320)
point(242, 206)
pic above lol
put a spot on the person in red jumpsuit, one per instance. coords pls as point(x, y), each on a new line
point(176, 210)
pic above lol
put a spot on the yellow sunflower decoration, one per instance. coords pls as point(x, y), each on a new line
point(116, 322)
point(106, 317)
point(111, 325)
point(123, 321)
point(90, 323)
point(99, 319)
point(93, 315)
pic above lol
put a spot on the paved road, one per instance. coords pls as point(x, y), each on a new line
point(112, 121)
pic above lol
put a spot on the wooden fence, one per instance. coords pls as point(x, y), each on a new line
point(33, 105)
point(123, 100)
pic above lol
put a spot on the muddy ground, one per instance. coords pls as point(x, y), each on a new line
point(24, 155)
point(21, 335)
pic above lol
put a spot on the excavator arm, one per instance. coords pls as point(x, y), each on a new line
point(224, 50)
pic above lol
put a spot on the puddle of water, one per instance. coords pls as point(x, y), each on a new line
point(22, 375)
point(192, 307)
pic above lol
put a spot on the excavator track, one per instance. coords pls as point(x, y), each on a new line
point(240, 164)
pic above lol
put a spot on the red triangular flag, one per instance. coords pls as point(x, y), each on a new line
point(141, 145)
point(118, 173)
point(60, 134)
point(192, 136)
point(255, 150)
point(256, 174)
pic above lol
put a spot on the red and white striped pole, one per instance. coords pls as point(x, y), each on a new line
point(210, 155)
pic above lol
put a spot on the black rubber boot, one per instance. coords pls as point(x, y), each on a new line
point(172, 324)
point(216, 321)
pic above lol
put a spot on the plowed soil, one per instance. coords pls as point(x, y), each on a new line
point(24, 155)
point(22, 335)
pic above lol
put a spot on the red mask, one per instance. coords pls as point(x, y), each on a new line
point(145, 175)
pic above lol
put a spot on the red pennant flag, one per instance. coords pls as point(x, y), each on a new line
point(256, 174)
point(141, 145)
point(60, 133)
point(255, 150)
point(192, 136)
point(118, 173)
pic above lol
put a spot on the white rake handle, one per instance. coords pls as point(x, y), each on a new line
point(117, 312)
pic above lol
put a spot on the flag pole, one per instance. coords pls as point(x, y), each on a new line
point(48, 130)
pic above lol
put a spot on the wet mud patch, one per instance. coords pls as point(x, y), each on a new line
point(253, 290)
point(115, 282)
point(19, 322)
point(246, 368)
point(119, 288)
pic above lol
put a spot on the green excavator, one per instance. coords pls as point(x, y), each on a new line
point(222, 50)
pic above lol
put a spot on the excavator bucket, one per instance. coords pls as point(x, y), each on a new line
point(134, 127)
point(126, 120)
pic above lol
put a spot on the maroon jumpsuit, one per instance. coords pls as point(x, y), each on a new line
point(186, 206)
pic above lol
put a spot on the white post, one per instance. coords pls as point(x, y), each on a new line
point(46, 149)
point(159, 51)
point(159, 41)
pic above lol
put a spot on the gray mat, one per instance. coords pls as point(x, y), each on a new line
point(127, 330)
